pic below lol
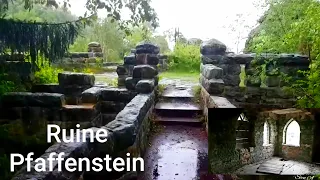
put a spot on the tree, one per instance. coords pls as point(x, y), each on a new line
point(292, 26)
point(161, 41)
point(141, 11)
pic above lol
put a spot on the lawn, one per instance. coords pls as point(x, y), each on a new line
point(186, 76)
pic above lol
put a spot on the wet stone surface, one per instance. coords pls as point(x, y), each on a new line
point(177, 153)
point(290, 168)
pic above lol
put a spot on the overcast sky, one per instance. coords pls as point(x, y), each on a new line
point(202, 19)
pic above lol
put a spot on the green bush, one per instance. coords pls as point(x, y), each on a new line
point(47, 74)
point(185, 57)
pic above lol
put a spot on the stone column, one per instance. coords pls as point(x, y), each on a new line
point(222, 124)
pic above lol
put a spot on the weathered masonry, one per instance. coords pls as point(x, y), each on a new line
point(254, 122)
point(123, 112)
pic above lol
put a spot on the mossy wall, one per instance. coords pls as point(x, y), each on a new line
point(223, 156)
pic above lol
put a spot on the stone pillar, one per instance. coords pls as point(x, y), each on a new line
point(141, 64)
point(222, 124)
point(73, 84)
point(217, 70)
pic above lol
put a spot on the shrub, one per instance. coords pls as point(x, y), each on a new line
point(47, 74)
point(185, 57)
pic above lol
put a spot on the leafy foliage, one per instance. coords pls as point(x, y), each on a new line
point(185, 57)
point(292, 26)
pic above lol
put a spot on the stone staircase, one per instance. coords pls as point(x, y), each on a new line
point(177, 105)
point(180, 149)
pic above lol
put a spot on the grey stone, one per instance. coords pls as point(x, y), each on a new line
point(22, 99)
point(231, 80)
point(145, 86)
point(74, 90)
point(144, 72)
point(130, 60)
point(79, 114)
point(76, 79)
point(212, 72)
point(213, 47)
point(211, 59)
point(231, 69)
point(147, 48)
point(212, 86)
point(117, 94)
point(122, 70)
point(91, 95)
point(111, 107)
point(163, 56)
point(130, 83)
point(152, 59)
point(46, 88)
point(241, 58)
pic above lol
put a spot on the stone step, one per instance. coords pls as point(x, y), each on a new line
point(177, 108)
point(178, 92)
point(178, 121)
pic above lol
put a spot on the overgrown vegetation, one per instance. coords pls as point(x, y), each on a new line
point(185, 58)
point(292, 26)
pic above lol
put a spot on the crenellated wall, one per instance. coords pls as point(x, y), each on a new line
point(263, 76)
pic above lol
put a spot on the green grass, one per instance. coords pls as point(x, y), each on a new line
point(187, 76)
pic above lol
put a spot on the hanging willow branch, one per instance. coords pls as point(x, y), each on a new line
point(50, 41)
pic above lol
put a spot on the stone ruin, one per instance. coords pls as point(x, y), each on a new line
point(220, 75)
point(94, 51)
point(140, 69)
point(242, 114)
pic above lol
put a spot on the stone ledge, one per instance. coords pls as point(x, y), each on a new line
point(91, 95)
point(23, 99)
point(221, 102)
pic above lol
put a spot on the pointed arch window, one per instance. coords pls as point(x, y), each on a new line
point(291, 134)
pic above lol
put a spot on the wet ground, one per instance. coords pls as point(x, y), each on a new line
point(177, 153)
point(290, 168)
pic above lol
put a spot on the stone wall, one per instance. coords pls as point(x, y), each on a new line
point(144, 54)
point(225, 155)
point(128, 132)
point(220, 76)
point(306, 121)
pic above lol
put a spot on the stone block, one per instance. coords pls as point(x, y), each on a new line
point(212, 72)
point(145, 86)
point(111, 107)
point(211, 59)
point(130, 60)
point(144, 72)
point(23, 99)
point(80, 79)
point(94, 44)
point(236, 93)
point(79, 113)
point(73, 100)
point(212, 86)
point(130, 83)
point(46, 88)
point(231, 80)
point(147, 48)
point(133, 51)
point(152, 59)
point(117, 94)
point(241, 58)
point(74, 90)
point(231, 69)
point(213, 47)
point(91, 95)
point(121, 70)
